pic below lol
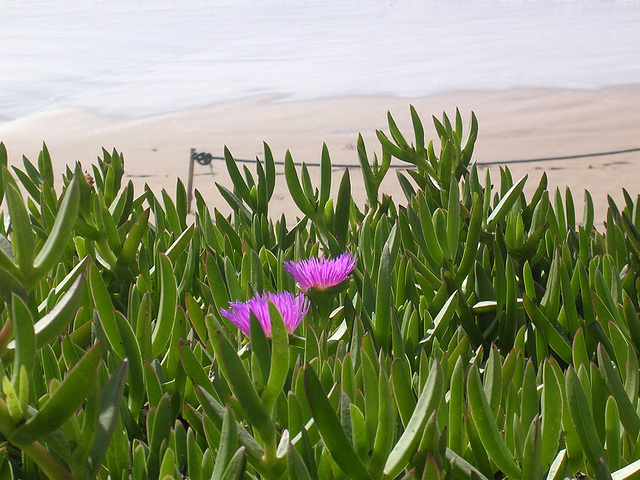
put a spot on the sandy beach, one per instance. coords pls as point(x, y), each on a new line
point(513, 125)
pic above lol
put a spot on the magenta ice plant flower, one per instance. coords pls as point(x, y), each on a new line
point(292, 307)
point(321, 274)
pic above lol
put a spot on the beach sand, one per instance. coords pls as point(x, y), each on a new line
point(513, 125)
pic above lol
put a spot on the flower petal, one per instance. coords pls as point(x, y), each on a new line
point(321, 273)
point(292, 308)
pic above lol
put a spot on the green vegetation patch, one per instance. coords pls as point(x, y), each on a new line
point(463, 332)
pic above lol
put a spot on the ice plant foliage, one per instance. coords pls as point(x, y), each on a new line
point(292, 307)
point(252, 397)
point(321, 273)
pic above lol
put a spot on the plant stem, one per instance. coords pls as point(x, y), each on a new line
point(324, 305)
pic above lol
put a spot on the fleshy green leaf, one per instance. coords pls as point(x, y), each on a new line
point(382, 325)
point(559, 466)
point(228, 444)
point(628, 414)
point(237, 465)
point(279, 368)
point(505, 203)
point(487, 428)
point(134, 237)
point(330, 428)
point(463, 468)
point(582, 418)
point(386, 426)
point(63, 402)
point(25, 338)
point(630, 472)
point(242, 388)
point(428, 401)
point(61, 231)
point(555, 340)
point(295, 189)
point(532, 466)
point(193, 369)
point(216, 411)
point(296, 466)
point(167, 311)
point(110, 401)
point(551, 413)
point(104, 306)
point(22, 237)
point(134, 357)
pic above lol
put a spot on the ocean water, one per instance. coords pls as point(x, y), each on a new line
point(143, 57)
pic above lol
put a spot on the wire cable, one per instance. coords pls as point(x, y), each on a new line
point(208, 158)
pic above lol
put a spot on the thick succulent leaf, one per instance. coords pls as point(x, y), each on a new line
point(330, 428)
point(279, 365)
point(167, 311)
point(386, 426)
point(368, 175)
point(343, 208)
point(110, 400)
point(402, 391)
point(630, 472)
point(61, 232)
point(532, 466)
point(25, 338)
point(239, 184)
point(582, 418)
point(429, 400)
point(551, 413)
point(487, 428)
point(237, 466)
point(559, 466)
point(628, 414)
point(214, 410)
point(134, 357)
point(23, 239)
point(382, 325)
point(295, 189)
point(63, 402)
point(52, 324)
point(555, 340)
point(612, 434)
point(180, 244)
point(296, 466)
point(228, 445)
point(325, 176)
point(505, 203)
point(132, 242)
point(471, 242)
point(158, 429)
point(462, 468)
point(194, 369)
point(104, 306)
point(240, 383)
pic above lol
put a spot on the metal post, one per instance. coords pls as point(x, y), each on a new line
point(190, 180)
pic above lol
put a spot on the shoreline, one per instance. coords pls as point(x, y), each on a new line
point(514, 124)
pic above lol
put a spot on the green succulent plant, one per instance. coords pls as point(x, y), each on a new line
point(481, 334)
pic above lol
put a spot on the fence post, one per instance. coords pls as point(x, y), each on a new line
point(190, 180)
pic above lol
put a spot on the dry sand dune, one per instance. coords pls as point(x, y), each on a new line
point(513, 125)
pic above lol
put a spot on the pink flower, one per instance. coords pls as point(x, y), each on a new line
point(292, 307)
point(321, 274)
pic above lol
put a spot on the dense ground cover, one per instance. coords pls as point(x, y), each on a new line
point(462, 332)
